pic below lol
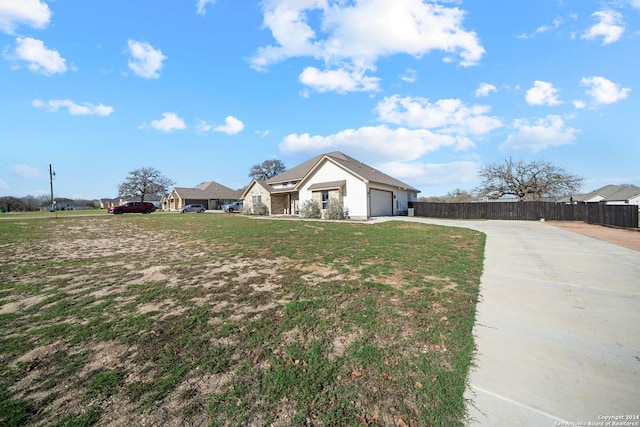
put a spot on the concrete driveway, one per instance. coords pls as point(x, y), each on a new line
point(557, 328)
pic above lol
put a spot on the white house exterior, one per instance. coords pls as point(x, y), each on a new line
point(210, 194)
point(627, 195)
point(363, 190)
point(610, 195)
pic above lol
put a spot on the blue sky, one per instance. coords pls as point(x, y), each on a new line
point(426, 91)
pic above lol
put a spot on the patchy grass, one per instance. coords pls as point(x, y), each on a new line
point(227, 320)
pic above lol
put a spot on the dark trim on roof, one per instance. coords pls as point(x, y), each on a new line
point(332, 185)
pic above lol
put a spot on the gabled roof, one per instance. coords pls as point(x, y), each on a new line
point(625, 193)
point(352, 165)
point(259, 182)
point(296, 173)
point(609, 193)
point(207, 190)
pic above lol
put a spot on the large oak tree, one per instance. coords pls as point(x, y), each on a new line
point(144, 182)
point(267, 169)
point(534, 180)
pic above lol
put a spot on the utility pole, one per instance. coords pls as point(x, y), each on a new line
point(51, 175)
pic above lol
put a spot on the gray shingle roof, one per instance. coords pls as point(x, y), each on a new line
point(610, 193)
point(296, 173)
point(208, 190)
point(625, 193)
point(327, 185)
point(349, 163)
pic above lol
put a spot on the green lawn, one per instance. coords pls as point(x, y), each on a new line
point(217, 319)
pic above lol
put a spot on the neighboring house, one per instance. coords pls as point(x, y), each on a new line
point(610, 195)
point(210, 194)
point(364, 191)
point(108, 203)
point(68, 206)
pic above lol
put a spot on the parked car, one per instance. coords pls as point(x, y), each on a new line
point(232, 207)
point(192, 208)
point(133, 207)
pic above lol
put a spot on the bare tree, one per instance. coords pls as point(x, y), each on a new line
point(267, 169)
point(526, 181)
point(143, 182)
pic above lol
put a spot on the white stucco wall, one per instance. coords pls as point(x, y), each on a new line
point(632, 201)
point(401, 201)
point(354, 194)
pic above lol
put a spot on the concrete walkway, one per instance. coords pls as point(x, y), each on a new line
point(557, 328)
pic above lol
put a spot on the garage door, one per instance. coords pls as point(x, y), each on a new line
point(381, 203)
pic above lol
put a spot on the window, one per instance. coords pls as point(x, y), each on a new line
point(325, 198)
point(256, 200)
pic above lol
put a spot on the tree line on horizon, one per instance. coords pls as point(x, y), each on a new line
point(526, 181)
point(31, 203)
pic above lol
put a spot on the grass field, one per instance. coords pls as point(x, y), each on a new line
point(168, 319)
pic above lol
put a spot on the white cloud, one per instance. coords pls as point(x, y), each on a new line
point(485, 89)
point(604, 91)
point(635, 3)
point(341, 81)
point(25, 171)
point(38, 57)
point(610, 27)
point(557, 22)
point(231, 126)
point(550, 131)
point(542, 93)
point(374, 142)
point(410, 75)
point(353, 35)
point(579, 104)
point(450, 116)
point(33, 13)
point(203, 127)
point(74, 109)
point(145, 61)
point(544, 28)
point(168, 123)
point(201, 6)
point(395, 152)
point(461, 172)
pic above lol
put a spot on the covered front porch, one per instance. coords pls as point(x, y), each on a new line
point(285, 203)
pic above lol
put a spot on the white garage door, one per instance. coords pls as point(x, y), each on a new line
point(381, 203)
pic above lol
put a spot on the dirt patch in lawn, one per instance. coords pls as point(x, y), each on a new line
point(103, 325)
point(618, 236)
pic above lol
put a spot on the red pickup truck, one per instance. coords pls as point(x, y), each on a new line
point(133, 207)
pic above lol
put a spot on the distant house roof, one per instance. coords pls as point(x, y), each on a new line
point(208, 190)
point(364, 171)
point(608, 193)
point(625, 193)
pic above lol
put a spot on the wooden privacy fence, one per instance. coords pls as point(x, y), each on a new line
point(595, 213)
